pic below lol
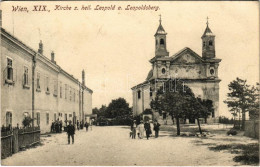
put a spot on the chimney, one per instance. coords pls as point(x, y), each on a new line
point(83, 77)
point(53, 57)
point(40, 50)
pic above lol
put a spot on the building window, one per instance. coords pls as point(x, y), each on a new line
point(55, 89)
point(212, 71)
point(47, 118)
point(74, 95)
point(66, 89)
point(9, 119)
point(139, 94)
point(161, 42)
point(60, 90)
point(151, 92)
point(38, 118)
point(25, 77)
point(70, 93)
point(213, 113)
point(204, 43)
point(47, 85)
point(210, 43)
point(163, 70)
point(55, 116)
point(70, 115)
point(38, 86)
point(66, 117)
point(9, 72)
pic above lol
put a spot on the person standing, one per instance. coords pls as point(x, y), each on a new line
point(147, 128)
point(156, 128)
point(133, 128)
point(140, 128)
point(152, 127)
point(78, 124)
point(86, 125)
point(70, 132)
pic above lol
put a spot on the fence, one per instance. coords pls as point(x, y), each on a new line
point(13, 140)
point(252, 128)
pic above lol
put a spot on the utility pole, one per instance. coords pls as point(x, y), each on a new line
point(33, 71)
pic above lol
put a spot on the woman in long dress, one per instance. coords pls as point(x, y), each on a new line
point(152, 127)
point(140, 129)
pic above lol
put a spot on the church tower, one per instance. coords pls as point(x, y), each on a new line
point(160, 41)
point(208, 43)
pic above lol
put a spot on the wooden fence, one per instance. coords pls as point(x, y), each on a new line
point(13, 140)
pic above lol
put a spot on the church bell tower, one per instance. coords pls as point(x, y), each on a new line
point(160, 41)
point(208, 43)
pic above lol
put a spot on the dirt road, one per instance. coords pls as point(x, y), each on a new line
point(112, 146)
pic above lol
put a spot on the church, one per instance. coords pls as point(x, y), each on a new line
point(200, 73)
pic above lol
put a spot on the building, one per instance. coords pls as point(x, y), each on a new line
point(200, 73)
point(33, 85)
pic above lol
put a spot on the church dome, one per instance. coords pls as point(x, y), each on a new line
point(150, 75)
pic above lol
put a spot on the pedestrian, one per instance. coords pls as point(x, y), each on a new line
point(156, 128)
point(70, 132)
point(60, 126)
point(133, 129)
point(152, 127)
point(90, 124)
point(78, 124)
point(52, 126)
point(140, 128)
point(147, 128)
point(86, 125)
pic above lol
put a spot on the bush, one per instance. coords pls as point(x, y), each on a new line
point(232, 132)
point(27, 121)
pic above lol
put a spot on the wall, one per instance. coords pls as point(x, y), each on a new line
point(252, 128)
point(15, 98)
point(18, 100)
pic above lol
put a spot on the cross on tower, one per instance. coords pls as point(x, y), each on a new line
point(207, 21)
point(160, 18)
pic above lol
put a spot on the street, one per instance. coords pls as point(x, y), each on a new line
point(111, 145)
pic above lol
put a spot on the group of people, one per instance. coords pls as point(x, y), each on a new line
point(56, 126)
point(148, 128)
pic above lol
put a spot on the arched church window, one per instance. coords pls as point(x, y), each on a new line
point(210, 43)
point(163, 70)
point(151, 92)
point(139, 94)
point(161, 42)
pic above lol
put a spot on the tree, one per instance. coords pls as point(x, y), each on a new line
point(118, 108)
point(241, 97)
point(208, 104)
point(173, 98)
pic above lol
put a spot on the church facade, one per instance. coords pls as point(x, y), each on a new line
point(200, 73)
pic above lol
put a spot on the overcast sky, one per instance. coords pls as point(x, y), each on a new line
point(114, 47)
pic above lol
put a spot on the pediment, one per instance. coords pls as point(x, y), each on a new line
point(187, 56)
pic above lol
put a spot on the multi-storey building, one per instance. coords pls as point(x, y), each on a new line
point(33, 85)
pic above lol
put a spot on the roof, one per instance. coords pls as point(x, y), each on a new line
point(160, 30)
point(33, 53)
point(207, 32)
point(150, 74)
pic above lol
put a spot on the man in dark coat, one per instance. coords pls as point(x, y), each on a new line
point(70, 132)
point(133, 129)
point(78, 124)
point(147, 128)
point(156, 128)
point(86, 125)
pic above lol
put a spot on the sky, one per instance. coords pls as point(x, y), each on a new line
point(114, 47)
